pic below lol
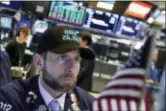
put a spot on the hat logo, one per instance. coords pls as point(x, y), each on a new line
point(70, 35)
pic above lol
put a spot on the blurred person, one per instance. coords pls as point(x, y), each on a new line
point(152, 73)
point(58, 61)
point(85, 75)
point(153, 78)
point(5, 67)
point(16, 46)
point(160, 104)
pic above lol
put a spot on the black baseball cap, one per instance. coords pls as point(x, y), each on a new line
point(62, 39)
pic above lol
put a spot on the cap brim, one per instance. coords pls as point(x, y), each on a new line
point(84, 52)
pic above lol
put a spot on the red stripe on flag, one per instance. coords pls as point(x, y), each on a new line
point(119, 105)
point(130, 76)
point(137, 88)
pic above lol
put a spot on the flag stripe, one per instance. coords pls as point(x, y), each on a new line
point(95, 106)
point(119, 105)
point(128, 105)
point(99, 105)
point(124, 97)
point(131, 76)
point(130, 71)
point(114, 104)
point(124, 87)
point(121, 92)
point(123, 103)
point(135, 82)
point(142, 106)
point(109, 104)
point(104, 104)
point(133, 106)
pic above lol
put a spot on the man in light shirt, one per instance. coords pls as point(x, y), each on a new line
point(58, 61)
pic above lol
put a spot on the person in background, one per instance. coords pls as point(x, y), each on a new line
point(85, 75)
point(16, 46)
point(5, 67)
point(152, 75)
point(58, 61)
point(152, 72)
point(160, 104)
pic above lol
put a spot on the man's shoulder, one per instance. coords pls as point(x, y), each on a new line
point(15, 92)
point(85, 95)
point(17, 87)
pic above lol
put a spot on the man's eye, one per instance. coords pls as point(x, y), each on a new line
point(62, 57)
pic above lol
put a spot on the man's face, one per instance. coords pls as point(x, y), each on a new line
point(154, 56)
point(82, 42)
point(60, 70)
point(23, 36)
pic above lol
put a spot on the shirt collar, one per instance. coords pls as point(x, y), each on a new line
point(48, 97)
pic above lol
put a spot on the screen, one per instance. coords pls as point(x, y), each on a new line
point(11, 4)
point(6, 22)
point(138, 9)
point(40, 26)
point(24, 23)
point(100, 20)
point(67, 12)
point(128, 27)
point(162, 35)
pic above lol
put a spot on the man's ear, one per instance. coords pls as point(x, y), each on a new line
point(38, 61)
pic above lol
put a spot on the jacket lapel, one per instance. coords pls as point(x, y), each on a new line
point(34, 99)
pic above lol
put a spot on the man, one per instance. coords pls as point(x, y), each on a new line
point(16, 46)
point(58, 60)
point(153, 74)
point(85, 75)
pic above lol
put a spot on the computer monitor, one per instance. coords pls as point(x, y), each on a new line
point(66, 12)
point(100, 21)
point(6, 22)
point(40, 26)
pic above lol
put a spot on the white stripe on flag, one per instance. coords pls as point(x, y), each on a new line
point(104, 105)
point(133, 106)
point(131, 82)
point(142, 106)
point(123, 105)
point(114, 105)
point(95, 106)
point(121, 92)
point(130, 71)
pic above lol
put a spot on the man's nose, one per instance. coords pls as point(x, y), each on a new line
point(69, 63)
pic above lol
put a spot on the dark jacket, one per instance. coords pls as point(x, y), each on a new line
point(15, 51)
point(5, 68)
point(16, 96)
point(85, 76)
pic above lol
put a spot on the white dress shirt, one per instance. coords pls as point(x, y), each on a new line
point(48, 97)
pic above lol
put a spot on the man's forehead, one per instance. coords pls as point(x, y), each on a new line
point(76, 52)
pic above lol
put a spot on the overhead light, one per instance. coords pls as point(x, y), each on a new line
point(150, 20)
point(142, 9)
point(105, 5)
point(138, 9)
point(6, 2)
point(163, 12)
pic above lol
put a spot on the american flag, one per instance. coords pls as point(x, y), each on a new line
point(125, 92)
